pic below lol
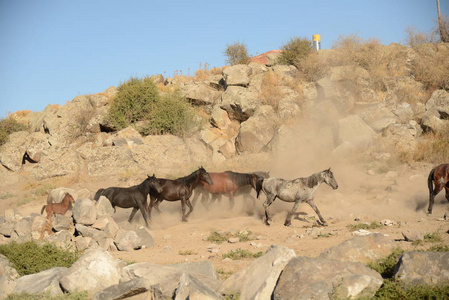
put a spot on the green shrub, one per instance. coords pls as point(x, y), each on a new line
point(236, 53)
point(171, 114)
point(216, 237)
point(47, 296)
point(135, 100)
point(8, 126)
point(295, 50)
point(29, 257)
point(393, 290)
point(385, 266)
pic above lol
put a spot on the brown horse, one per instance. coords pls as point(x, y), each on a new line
point(178, 189)
point(438, 176)
point(230, 184)
point(58, 208)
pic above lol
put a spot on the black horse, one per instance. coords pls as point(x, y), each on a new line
point(135, 196)
point(178, 189)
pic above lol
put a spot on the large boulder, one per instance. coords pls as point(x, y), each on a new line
point(238, 75)
point(318, 278)
point(423, 268)
point(362, 249)
point(95, 270)
point(257, 280)
point(8, 277)
point(43, 282)
point(438, 104)
point(200, 93)
point(257, 131)
point(84, 211)
point(240, 102)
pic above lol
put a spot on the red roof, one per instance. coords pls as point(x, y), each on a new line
point(262, 58)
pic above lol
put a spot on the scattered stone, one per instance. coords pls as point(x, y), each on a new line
point(413, 235)
point(233, 240)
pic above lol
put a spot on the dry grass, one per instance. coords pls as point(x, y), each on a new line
point(271, 92)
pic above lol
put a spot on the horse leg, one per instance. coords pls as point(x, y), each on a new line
point(131, 216)
point(231, 201)
point(183, 209)
point(432, 194)
point(288, 219)
point(190, 208)
point(266, 205)
point(156, 206)
point(312, 204)
point(142, 210)
point(205, 200)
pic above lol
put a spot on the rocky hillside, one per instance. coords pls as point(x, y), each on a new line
point(254, 112)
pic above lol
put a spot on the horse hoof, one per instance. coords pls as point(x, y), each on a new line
point(287, 224)
point(184, 220)
point(324, 224)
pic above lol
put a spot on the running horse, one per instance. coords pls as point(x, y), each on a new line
point(298, 190)
point(228, 183)
point(438, 176)
point(178, 189)
point(134, 196)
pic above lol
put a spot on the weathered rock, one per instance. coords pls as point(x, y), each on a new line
point(200, 93)
point(104, 207)
point(190, 287)
point(257, 131)
point(127, 240)
point(413, 235)
point(240, 102)
point(439, 104)
point(86, 231)
point(95, 270)
point(353, 129)
point(318, 278)
point(61, 239)
point(202, 267)
point(237, 75)
point(423, 268)
point(375, 114)
point(84, 211)
point(146, 239)
point(127, 289)
point(257, 281)
point(361, 249)
point(61, 222)
point(43, 282)
point(8, 277)
point(107, 225)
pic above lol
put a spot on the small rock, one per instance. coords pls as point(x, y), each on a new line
point(412, 235)
point(233, 240)
point(361, 232)
point(387, 222)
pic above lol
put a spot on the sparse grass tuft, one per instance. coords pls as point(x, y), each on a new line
point(8, 126)
point(358, 226)
point(6, 195)
point(187, 252)
point(241, 254)
point(24, 200)
point(217, 237)
point(30, 257)
point(47, 296)
point(394, 290)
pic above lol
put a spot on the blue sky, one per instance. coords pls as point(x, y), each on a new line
point(54, 50)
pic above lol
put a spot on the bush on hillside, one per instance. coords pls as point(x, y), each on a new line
point(236, 53)
point(30, 258)
point(8, 126)
point(171, 114)
point(295, 50)
point(135, 100)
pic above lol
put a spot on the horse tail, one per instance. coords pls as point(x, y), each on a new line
point(430, 181)
point(43, 208)
point(98, 194)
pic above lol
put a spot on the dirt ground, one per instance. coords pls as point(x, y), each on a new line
point(399, 195)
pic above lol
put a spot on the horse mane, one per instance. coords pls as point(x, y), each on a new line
point(240, 179)
point(189, 178)
point(313, 180)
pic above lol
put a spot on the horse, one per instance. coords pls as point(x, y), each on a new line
point(438, 176)
point(179, 189)
point(134, 196)
point(228, 183)
point(297, 190)
point(58, 208)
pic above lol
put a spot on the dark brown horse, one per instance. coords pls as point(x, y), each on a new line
point(439, 176)
point(58, 208)
point(178, 189)
point(134, 196)
point(230, 184)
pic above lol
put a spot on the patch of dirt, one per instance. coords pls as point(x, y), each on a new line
point(401, 197)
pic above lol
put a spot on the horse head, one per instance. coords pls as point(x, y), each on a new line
point(154, 183)
point(204, 176)
point(329, 178)
point(69, 198)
